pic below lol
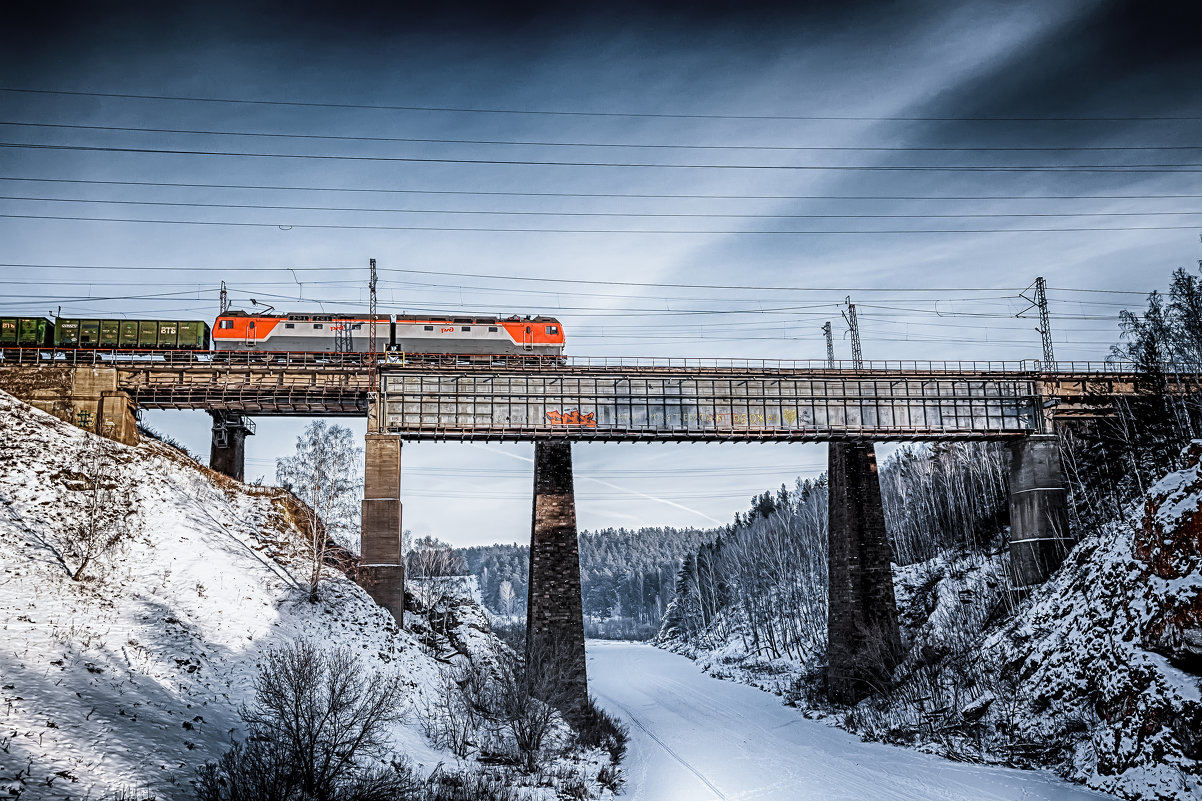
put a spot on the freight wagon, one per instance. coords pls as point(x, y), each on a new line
point(131, 334)
point(26, 332)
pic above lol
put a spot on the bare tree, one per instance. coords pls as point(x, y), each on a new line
point(434, 566)
point(109, 511)
point(324, 475)
point(528, 695)
point(318, 720)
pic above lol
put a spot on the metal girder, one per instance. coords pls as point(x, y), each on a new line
point(687, 405)
point(525, 398)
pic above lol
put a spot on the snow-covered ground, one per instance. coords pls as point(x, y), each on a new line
point(696, 738)
point(131, 678)
point(1096, 674)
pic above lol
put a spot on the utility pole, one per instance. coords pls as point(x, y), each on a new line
point(830, 345)
point(1040, 302)
point(224, 303)
point(853, 325)
point(373, 356)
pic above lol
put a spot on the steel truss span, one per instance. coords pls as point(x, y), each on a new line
point(537, 398)
point(686, 405)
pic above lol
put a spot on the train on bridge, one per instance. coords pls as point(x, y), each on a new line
point(238, 331)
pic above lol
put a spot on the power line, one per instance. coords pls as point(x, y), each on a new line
point(651, 284)
point(650, 215)
point(481, 229)
point(633, 145)
point(1188, 167)
point(624, 195)
point(570, 113)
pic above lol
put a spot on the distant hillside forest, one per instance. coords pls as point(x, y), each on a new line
point(627, 577)
point(945, 496)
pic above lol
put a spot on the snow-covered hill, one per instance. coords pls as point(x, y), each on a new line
point(132, 677)
point(1097, 674)
point(1107, 657)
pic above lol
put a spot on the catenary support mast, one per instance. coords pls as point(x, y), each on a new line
point(373, 356)
point(853, 326)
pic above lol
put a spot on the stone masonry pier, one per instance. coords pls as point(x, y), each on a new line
point(1039, 533)
point(382, 571)
point(555, 615)
point(227, 448)
point(864, 642)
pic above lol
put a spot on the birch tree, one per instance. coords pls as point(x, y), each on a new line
point(324, 475)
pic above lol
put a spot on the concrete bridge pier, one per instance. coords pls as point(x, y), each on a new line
point(87, 396)
point(227, 449)
point(382, 572)
point(555, 615)
point(1039, 534)
point(864, 642)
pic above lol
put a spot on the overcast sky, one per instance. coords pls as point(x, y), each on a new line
point(928, 159)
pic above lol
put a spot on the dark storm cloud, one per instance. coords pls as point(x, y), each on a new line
point(1113, 58)
point(62, 29)
point(366, 19)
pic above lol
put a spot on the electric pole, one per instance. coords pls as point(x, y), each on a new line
point(373, 356)
point(853, 326)
point(830, 345)
point(1040, 302)
point(225, 299)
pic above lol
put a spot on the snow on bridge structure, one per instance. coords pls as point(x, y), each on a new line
point(557, 402)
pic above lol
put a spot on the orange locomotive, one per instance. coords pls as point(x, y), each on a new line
point(351, 333)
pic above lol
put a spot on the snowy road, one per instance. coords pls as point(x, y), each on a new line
point(695, 738)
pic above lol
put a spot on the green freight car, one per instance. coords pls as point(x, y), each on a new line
point(132, 334)
point(26, 332)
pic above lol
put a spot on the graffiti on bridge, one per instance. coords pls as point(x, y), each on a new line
point(573, 418)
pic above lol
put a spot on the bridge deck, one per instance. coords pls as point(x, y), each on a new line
point(519, 398)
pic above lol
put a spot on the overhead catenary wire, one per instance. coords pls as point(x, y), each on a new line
point(621, 195)
point(286, 226)
point(1184, 168)
point(554, 279)
point(620, 214)
point(592, 113)
point(594, 144)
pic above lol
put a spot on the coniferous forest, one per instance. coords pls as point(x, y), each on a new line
point(627, 576)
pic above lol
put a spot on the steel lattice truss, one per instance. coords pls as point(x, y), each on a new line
point(687, 405)
point(524, 398)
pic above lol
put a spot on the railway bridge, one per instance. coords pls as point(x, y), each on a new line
point(558, 402)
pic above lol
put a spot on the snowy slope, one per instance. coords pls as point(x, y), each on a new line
point(1099, 654)
point(694, 738)
point(1098, 674)
point(132, 678)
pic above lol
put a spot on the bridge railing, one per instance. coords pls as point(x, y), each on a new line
point(161, 357)
point(395, 360)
